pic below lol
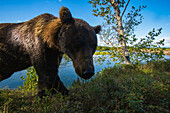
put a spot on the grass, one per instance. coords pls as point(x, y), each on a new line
point(102, 53)
point(140, 88)
point(103, 50)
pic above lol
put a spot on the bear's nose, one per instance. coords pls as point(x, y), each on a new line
point(88, 73)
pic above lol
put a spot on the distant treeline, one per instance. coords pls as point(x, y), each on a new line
point(105, 48)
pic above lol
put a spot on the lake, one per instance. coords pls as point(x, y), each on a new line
point(67, 75)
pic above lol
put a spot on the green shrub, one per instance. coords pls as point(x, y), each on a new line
point(137, 88)
point(30, 82)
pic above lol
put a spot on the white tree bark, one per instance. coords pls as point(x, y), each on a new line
point(121, 30)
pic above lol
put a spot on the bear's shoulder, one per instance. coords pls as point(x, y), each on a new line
point(43, 17)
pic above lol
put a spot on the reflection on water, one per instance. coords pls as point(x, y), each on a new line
point(67, 75)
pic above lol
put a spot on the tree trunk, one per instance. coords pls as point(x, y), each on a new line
point(123, 42)
point(121, 32)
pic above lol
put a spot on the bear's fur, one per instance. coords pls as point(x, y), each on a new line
point(42, 41)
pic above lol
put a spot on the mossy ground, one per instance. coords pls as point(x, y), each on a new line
point(138, 88)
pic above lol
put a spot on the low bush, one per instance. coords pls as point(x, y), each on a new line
point(137, 88)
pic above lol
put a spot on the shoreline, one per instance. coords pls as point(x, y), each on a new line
point(166, 52)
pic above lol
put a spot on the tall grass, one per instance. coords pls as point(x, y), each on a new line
point(142, 88)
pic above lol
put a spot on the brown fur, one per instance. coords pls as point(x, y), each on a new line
point(41, 42)
point(50, 32)
point(65, 15)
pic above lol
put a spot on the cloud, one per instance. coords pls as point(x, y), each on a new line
point(168, 24)
point(100, 42)
point(59, 0)
point(19, 21)
point(167, 41)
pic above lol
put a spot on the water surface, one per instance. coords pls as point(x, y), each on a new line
point(66, 73)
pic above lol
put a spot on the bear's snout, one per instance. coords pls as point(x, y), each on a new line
point(87, 73)
point(84, 69)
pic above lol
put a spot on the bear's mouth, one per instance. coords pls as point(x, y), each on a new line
point(85, 74)
point(86, 77)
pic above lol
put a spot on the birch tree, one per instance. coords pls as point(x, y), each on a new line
point(119, 26)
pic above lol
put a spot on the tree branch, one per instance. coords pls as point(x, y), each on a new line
point(125, 9)
point(117, 1)
point(111, 43)
point(112, 1)
point(114, 28)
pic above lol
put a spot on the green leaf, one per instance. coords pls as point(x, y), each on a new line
point(133, 7)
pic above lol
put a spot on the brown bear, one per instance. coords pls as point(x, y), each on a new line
point(42, 41)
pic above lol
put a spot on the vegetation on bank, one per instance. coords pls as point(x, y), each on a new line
point(105, 48)
point(100, 50)
point(124, 88)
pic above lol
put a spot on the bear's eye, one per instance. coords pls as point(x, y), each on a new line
point(67, 28)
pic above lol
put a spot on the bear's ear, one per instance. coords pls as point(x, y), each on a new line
point(65, 15)
point(97, 29)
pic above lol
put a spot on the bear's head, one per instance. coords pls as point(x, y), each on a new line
point(78, 40)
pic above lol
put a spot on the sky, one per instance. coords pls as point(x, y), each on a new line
point(156, 15)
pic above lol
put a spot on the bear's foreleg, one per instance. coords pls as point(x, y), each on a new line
point(47, 70)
